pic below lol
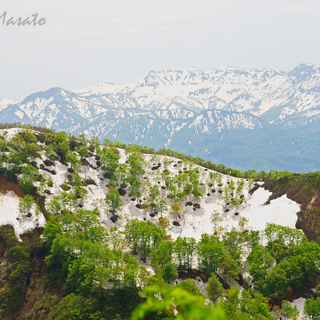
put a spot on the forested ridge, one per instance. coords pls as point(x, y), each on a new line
point(78, 266)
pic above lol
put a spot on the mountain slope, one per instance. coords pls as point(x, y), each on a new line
point(99, 216)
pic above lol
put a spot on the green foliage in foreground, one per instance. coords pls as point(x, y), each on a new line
point(188, 305)
point(165, 302)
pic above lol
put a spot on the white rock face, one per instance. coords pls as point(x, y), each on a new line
point(282, 211)
point(299, 303)
point(193, 222)
point(10, 214)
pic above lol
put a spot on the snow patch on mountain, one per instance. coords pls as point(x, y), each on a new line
point(4, 103)
point(99, 89)
point(10, 214)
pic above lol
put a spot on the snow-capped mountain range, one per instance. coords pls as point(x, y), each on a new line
point(194, 111)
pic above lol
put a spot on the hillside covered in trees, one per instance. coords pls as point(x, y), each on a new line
point(114, 231)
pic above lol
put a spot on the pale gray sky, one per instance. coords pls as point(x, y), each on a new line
point(88, 42)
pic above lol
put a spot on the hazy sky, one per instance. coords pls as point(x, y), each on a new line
point(88, 42)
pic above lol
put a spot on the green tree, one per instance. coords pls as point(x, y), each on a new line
point(29, 175)
point(54, 205)
point(30, 171)
point(271, 231)
point(121, 173)
point(29, 137)
point(233, 241)
point(26, 184)
point(216, 220)
point(153, 196)
point(197, 191)
point(274, 284)
point(80, 191)
point(82, 137)
point(211, 254)
point(42, 187)
point(169, 273)
point(165, 223)
point(191, 286)
point(226, 196)
point(94, 142)
point(239, 188)
point(83, 151)
point(149, 237)
point(77, 307)
point(161, 205)
point(110, 171)
point(243, 224)
point(311, 308)
point(162, 255)
point(254, 307)
point(134, 190)
point(63, 149)
point(72, 159)
point(288, 311)
point(184, 250)
point(144, 236)
point(32, 150)
point(50, 152)
point(244, 306)
point(131, 232)
point(68, 200)
point(219, 179)
point(260, 262)
point(71, 235)
point(62, 202)
point(176, 210)
point(4, 146)
point(137, 165)
point(60, 137)
point(231, 187)
point(308, 259)
point(26, 204)
point(252, 238)
point(114, 200)
point(215, 289)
